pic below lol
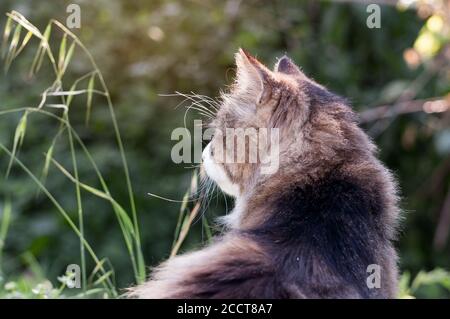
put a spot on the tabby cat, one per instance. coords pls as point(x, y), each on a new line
point(312, 228)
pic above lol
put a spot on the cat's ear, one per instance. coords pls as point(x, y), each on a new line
point(254, 77)
point(287, 66)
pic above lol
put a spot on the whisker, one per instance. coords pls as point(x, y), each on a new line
point(208, 100)
point(201, 108)
point(201, 112)
point(196, 101)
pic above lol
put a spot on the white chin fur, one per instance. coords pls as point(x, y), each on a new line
point(218, 174)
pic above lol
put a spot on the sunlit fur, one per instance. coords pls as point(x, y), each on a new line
point(311, 229)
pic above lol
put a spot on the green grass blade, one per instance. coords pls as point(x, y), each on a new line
point(39, 56)
point(186, 225)
point(18, 18)
point(121, 148)
point(25, 40)
point(123, 215)
point(43, 45)
point(79, 204)
point(48, 158)
point(103, 277)
point(89, 97)
point(68, 57)
point(62, 52)
point(6, 219)
point(19, 135)
point(70, 97)
point(127, 236)
point(6, 34)
point(60, 209)
point(4, 226)
point(123, 218)
point(181, 215)
point(13, 47)
point(207, 229)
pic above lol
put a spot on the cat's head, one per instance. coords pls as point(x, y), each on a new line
point(299, 126)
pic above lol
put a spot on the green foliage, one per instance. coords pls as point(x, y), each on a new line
point(129, 228)
point(61, 145)
point(432, 284)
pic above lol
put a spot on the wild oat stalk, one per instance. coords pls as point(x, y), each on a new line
point(13, 44)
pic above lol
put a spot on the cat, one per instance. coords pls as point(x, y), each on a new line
point(312, 228)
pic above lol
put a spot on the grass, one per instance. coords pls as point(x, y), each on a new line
point(99, 281)
point(14, 42)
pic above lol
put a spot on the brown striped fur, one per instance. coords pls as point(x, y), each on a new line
point(307, 231)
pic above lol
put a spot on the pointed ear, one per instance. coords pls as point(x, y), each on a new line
point(287, 66)
point(254, 76)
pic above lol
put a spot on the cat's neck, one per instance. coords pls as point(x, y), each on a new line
point(253, 206)
point(233, 219)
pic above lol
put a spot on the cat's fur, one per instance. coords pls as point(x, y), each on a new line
point(311, 229)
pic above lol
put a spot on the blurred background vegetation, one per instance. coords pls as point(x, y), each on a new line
point(397, 77)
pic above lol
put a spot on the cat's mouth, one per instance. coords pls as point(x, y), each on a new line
point(217, 173)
